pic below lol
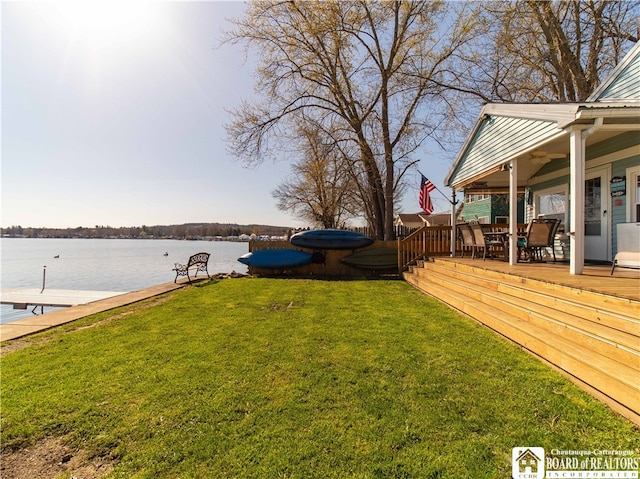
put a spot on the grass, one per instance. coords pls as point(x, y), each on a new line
point(267, 378)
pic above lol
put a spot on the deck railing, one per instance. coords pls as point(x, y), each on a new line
point(423, 243)
point(431, 241)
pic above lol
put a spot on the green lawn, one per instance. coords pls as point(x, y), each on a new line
point(269, 378)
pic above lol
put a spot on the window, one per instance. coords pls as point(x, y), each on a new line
point(592, 207)
point(471, 198)
point(552, 203)
point(483, 220)
point(502, 220)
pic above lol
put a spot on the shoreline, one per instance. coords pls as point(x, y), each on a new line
point(103, 265)
point(26, 326)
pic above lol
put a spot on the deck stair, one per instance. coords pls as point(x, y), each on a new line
point(592, 338)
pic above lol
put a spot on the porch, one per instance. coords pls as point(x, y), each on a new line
point(577, 162)
point(431, 242)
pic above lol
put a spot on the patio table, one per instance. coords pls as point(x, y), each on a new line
point(503, 238)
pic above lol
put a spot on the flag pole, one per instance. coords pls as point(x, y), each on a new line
point(453, 202)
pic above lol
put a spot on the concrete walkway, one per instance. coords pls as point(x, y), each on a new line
point(23, 327)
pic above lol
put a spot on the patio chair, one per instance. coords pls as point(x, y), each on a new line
point(552, 237)
point(481, 241)
point(466, 235)
point(540, 234)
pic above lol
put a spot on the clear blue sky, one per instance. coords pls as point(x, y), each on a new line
point(113, 114)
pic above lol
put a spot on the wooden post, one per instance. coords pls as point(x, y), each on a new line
point(44, 277)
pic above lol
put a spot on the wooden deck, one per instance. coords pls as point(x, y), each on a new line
point(625, 282)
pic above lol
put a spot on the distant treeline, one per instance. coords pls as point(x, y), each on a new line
point(184, 231)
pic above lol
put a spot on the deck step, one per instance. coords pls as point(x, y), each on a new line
point(595, 343)
point(588, 317)
point(614, 343)
point(564, 354)
point(604, 302)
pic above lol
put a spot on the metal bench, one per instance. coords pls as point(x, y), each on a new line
point(197, 262)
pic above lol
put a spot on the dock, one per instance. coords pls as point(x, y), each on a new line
point(82, 305)
point(22, 298)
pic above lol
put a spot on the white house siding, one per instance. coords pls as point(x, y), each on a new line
point(502, 134)
point(500, 138)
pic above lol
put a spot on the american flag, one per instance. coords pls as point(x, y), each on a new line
point(425, 200)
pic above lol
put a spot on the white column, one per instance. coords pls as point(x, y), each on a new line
point(453, 222)
point(513, 212)
point(576, 195)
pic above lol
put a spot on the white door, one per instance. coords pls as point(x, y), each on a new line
point(596, 214)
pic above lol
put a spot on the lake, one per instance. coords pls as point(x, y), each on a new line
point(103, 264)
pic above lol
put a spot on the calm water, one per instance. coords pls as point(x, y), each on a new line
point(103, 264)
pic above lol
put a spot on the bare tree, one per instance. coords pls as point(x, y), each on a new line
point(321, 189)
point(531, 50)
point(381, 77)
point(362, 66)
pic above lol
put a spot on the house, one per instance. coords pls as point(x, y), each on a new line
point(409, 221)
point(406, 223)
point(438, 219)
point(579, 162)
point(489, 207)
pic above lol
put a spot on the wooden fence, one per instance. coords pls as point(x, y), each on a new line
point(426, 242)
point(332, 267)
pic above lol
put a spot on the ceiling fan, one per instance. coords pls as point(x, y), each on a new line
point(537, 158)
point(542, 157)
